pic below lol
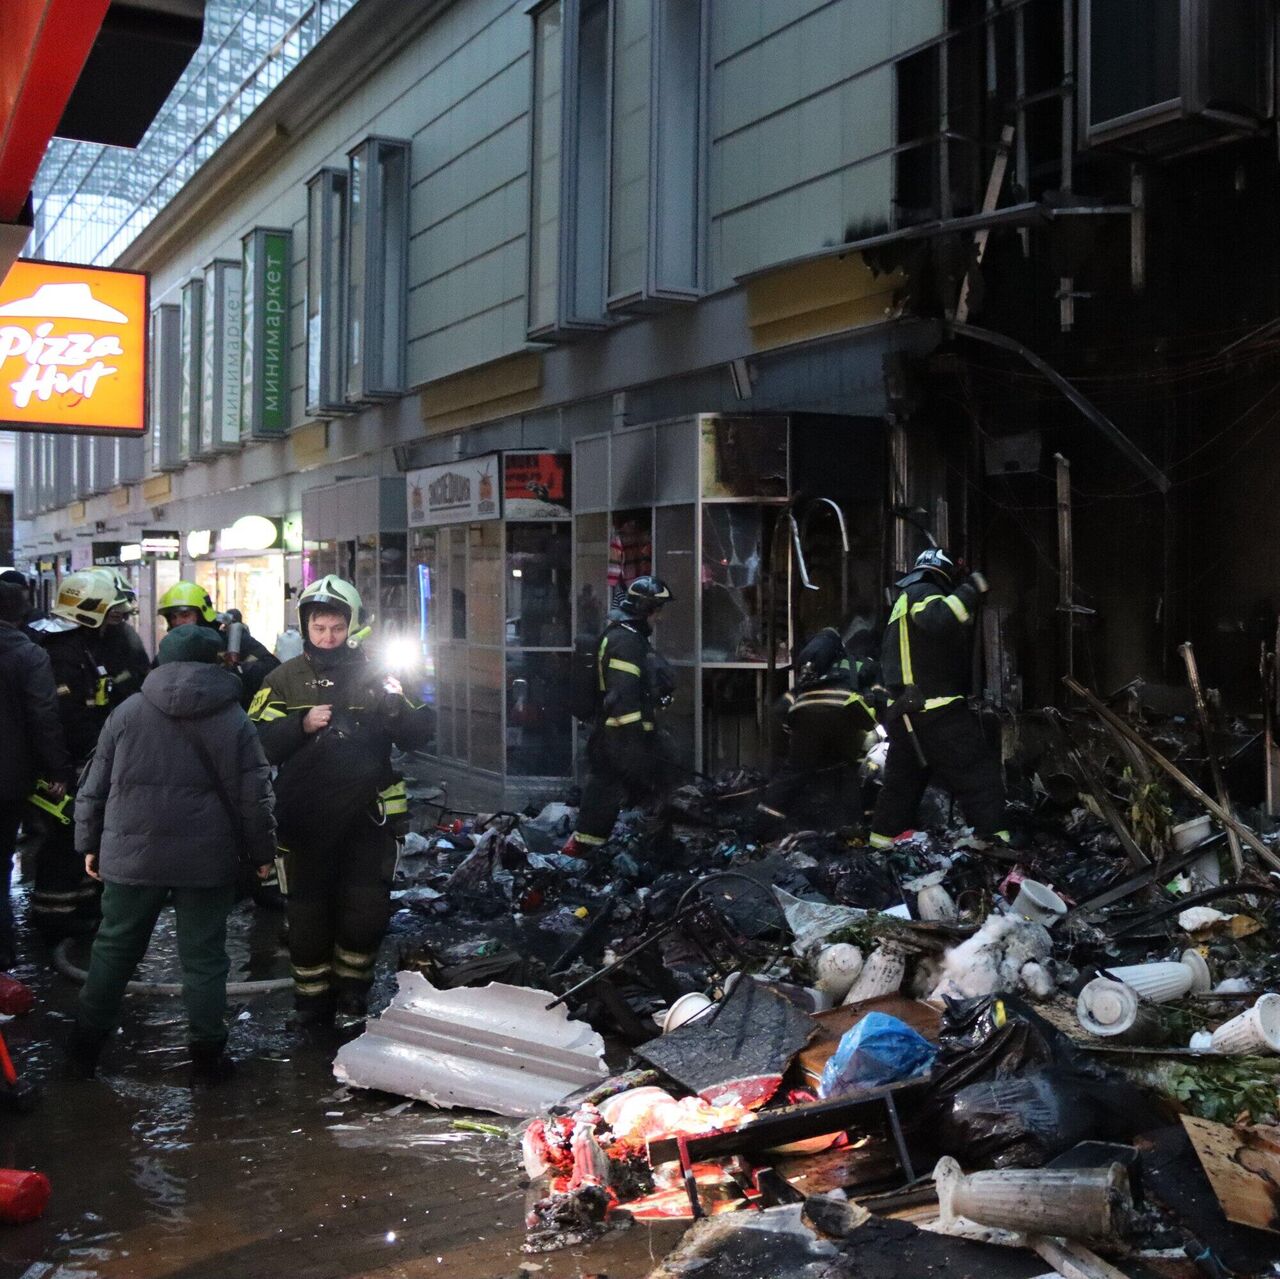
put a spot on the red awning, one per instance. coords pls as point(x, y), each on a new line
point(43, 48)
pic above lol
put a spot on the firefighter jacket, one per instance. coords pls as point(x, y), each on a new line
point(929, 641)
point(94, 670)
point(344, 679)
point(838, 692)
point(633, 679)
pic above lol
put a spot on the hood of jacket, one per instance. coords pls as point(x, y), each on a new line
point(190, 690)
point(11, 637)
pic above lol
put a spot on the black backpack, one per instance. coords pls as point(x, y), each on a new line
point(585, 697)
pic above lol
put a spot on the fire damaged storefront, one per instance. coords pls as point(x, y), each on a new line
point(760, 539)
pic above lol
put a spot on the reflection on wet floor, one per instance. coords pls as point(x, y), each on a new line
point(280, 1172)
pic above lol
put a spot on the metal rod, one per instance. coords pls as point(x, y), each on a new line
point(1215, 768)
point(1091, 412)
point(825, 503)
point(1066, 565)
point(1069, 92)
point(1270, 756)
point(995, 182)
point(1227, 819)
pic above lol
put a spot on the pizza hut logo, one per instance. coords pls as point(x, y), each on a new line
point(66, 364)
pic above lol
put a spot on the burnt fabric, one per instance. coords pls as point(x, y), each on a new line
point(958, 758)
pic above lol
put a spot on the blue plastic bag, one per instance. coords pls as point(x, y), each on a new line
point(879, 1050)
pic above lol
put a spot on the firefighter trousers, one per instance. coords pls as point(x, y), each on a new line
point(821, 766)
point(624, 766)
point(338, 905)
point(957, 757)
point(64, 900)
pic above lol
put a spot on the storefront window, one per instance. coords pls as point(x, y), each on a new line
point(537, 585)
point(455, 578)
point(676, 564)
point(539, 726)
point(630, 547)
point(486, 680)
point(393, 591)
point(484, 584)
point(591, 572)
point(732, 604)
point(743, 457)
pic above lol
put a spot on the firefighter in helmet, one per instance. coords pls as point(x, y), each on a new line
point(626, 758)
point(97, 663)
point(328, 719)
point(926, 664)
point(189, 603)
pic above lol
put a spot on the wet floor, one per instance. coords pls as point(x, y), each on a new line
point(280, 1172)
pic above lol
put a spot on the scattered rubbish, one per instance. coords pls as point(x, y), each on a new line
point(1158, 983)
point(494, 1048)
point(879, 1050)
point(741, 1052)
point(686, 1009)
point(1007, 953)
point(1078, 1203)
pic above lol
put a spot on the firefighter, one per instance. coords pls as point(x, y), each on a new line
point(626, 756)
point(926, 665)
point(824, 722)
point(328, 719)
point(95, 667)
point(188, 602)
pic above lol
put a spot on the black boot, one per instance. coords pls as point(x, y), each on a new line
point(351, 1012)
point(83, 1048)
point(312, 1013)
point(210, 1064)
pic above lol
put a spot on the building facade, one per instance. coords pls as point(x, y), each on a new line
point(492, 305)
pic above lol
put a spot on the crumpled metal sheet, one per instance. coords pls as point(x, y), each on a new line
point(493, 1048)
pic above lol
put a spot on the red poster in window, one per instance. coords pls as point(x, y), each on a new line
point(535, 486)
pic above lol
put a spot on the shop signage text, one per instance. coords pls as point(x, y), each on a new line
point(265, 396)
point(73, 349)
point(455, 493)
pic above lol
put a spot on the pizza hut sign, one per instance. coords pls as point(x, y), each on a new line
point(73, 349)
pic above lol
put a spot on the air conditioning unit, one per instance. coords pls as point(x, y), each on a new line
point(1165, 77)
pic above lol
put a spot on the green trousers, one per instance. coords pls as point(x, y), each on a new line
point(129, 915)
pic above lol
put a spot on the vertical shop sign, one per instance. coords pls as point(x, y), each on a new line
point(192, 345)
point(223, 314)
point(264, 403)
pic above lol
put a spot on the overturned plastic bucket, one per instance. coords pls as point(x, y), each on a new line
point(23, 1195)
point(882, 974)
point(1073, 1203)
point(1254, 1032)
point(1112, 1010)
point(836, 969)
point(1039, 903)
point(1166, 980)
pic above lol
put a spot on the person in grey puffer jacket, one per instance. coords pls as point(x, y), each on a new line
point(154, 825)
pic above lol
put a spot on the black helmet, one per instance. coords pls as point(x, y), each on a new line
point(933, 562)
point(644, 596)
point(819, 655)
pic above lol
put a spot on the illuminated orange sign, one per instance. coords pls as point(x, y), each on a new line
point(73, 349)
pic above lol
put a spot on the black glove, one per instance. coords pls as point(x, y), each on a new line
point(977, 583)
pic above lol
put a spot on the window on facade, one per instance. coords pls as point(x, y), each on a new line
point(326, 233)
point(538, 585)
point(616, 179)
point(567, 177)
point(377, 254)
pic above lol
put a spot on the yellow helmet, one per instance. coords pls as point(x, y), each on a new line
point(87, 597)
point(187, 595)
point(331, 592)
